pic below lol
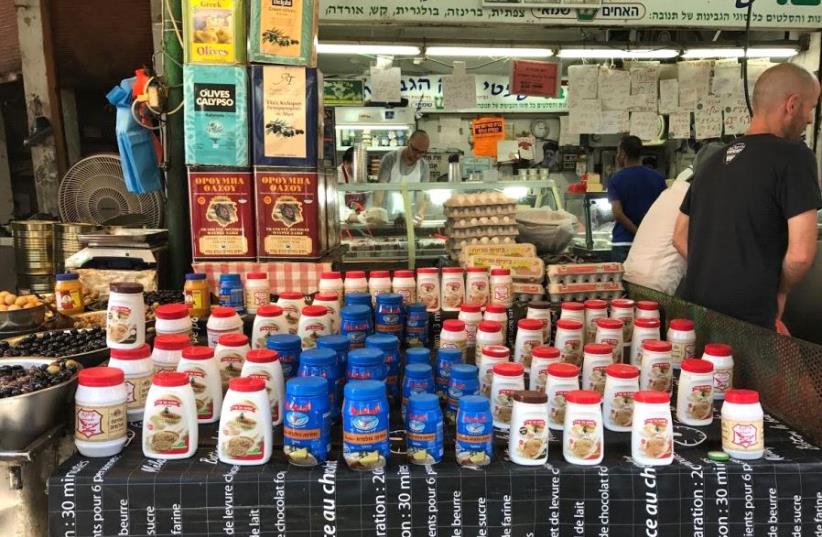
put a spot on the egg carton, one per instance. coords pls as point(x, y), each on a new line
point(579, 292)
point(585, 273)
point(528, 291)
point(477, 199)
point(480, 211)
point(462, 223)
point(524, 269)
point(480, 232)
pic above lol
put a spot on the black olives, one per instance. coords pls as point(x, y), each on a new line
point(17, 380)
point(54, 344)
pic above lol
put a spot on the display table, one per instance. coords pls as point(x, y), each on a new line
point(131, 495)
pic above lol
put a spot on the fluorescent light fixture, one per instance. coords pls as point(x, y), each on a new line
point(753, 52)
point(611, 53)
point(373, 49)
point(494, 52)
point(515, 192)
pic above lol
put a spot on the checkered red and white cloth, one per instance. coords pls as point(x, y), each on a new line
point(282, 277)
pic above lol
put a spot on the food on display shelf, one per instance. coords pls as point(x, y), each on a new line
point(126, 317)
point(583, 291)
point(288, 349)
point(203, 373)
point(529, 337)
point(621, 384)
point(695, 392)
point(644, 330)
point(172, 319)
point(541, 358)
point(365, 425)
point(657, 366)
point(594, 310)
point(167, 351)
point(610, 332)
point(100, 412)
point(19, 380)
point(389, 346)
point(416, 325)
point(315, 322)
point(569, 339)
point(652, 430)
point(509, 378)
point(743, 428)
point(322, 363)
point(585, 273)
point(721, 355)
point(463, 380)
point(583, 441)
point(68, 294)
point(526, 269)
point(474, 443)
point(305, 428)
point(230, 356)
point(257, 291)
point(562, 379)
point(597, 358)
point(265, 365)
point(222, 321)
point(453, 288)
point(222, 213)
point(623, 309)
point(428, 288)
point(55, 343)
point(388, 314)
point(502, 250)
point(682, 336)
point(138, 369)
point(230, 292)
point(486, 218)
point(197, 295)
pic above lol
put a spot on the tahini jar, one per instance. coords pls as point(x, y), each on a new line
point(204, 377)
point(268, 322)
point(314, 323)
point(491, 356)
point(292, 304)
point(652, 431)
point(378, 283)
point(683, 340)
point(488, 333)
point(542, 357)
point(695, 397)
point(138, 369)
point(453, 288)
point(172, 319)
point(657, 370)
point(621, 383)
point(502, 287)
point(428, 288)
point(471, 315)
point(594, 309)
point(529, 336)
point(223, 320)
point(453, 336)
point(541, 311)
point(477, 285)
point(355, 282)
point(562, 379)
point(569, 338)
point(126, 316)
point(573, 310)
point(257, 291)
point(330, 301)
point(405, 285)
point(644, 330)
point(170, 423)
point(609, 332)
point(582, 441)
point(623, 309)
point(647, 309)
point(167, 351)
point(598, 356)
point(265, 365)
point(721, 356)
point(230, 356)
point(331, 282)
point(528, 442)
point(508, 378)
point(498, 313)
point(100, 412)
point(245, 436)
point(743, 428)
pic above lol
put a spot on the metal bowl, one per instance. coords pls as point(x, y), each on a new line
point(25, 417)
point(86, 359)
point(25, 319)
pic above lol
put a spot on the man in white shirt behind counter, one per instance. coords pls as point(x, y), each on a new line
point(652, 261)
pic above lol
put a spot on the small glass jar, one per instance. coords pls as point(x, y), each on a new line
point(268, 321)
point(721, 356)
point(330, 301)
point(314, 323)
point(126, 316)
point(168, 350)
point(231, 292)
point(379, 282)
point(594, 309)
point(541, 358)
point(222, 321)
point(170, 425)
point(68, 294)
point(529, 337)
point(245, 434)
point(477, 286)
point(609, 332)
point(644, 330)
point(499, 314)
point(453, 288)
point(621, 383)
point(541, 311)
point(582, 440)
point(474, 442)
point(424, 429)
point(573, 310)
point(491, 356)
point(471, 315)
point(682, 336)
point(647, 309)
point(331, 282)
point(405, 285)
point(652, 430)
point(257, 291)
point(355, 282)
point(138, 369)
point(453, 336)
point(743, 427)
point(172, 319)
point(428, 288)
point(488, 333)
point(528, 443)
point(569, 340)
point(657, 369)
point(562, 379)
point(509, 378)
point(502, 287)
point(100, 412)
point(204, 377)
point(695, 393)
point(292, 304)
point(230, 356)
point(598, 356)
point(197, 295)
point(623, 309)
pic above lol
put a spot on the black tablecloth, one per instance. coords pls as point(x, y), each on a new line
point(780, 494)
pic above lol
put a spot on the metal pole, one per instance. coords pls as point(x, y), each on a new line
point(177, 219)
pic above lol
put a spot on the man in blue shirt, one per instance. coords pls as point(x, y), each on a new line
point(631, 191)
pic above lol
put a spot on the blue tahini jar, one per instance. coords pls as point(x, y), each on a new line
point(419, 378)
point(388, 316)
point(340, 345)
point(231, 292)
point(446, 359)
point(475, 426)
point(464, 381)
point(288, 348)
point(417, 355)
point(365, 425)
point(366, 364)
point(416, 325)
point(322, 363)
point(390, 346)
point(355, 324)
point(424, 429)
point(306, 429)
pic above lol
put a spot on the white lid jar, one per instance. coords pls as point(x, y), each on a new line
point(292, 304)
point(125, 316)
point(682, 336)
point(245, 435)
point(453, 288)
point(138, 369)
point(204, 377)
point(168, 349)
point(453, 336)
point(170, 425)
point(405, 285)
point(529, 337)
point(695, 392)
point(100, 412)
point(497, 313)
point(528, 442)
point(644, 330)
point(569, 339)
point(652, 431)
point(172, 319)
point(657, 371)
point(355, 282)
point(488, 333)
point(265, 364)
point(542, 312)
point(491, 356)
point(743, 428)
point(331, 282)
point(315, 322)
point(257, 291)
point(562, 379)
point(609, 332)
point(477, 285)
point(582, 441)
point(598, 356)
point(379, 282)
point(329, 300)
point(623, 309)
point(573, 310)
point(230, 356)
point(471, 315)
point(647, 309)
point(541, 358)
point(721, 356)
point(508, 379)
point(594, 309)
point(270, 320)
point(428, 288)
point(621, 384)
point(502, 287)
point(223, 320)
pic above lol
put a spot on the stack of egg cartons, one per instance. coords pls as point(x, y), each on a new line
point(479, 218)
point(585, 281)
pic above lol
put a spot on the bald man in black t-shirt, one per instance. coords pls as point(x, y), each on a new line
point(747, 226)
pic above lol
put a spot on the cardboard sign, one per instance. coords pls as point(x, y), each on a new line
point(487, 131)
point(222, 214)
point(530, 77)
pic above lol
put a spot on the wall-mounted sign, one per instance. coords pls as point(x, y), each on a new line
point(343, 92)
point(535, 78)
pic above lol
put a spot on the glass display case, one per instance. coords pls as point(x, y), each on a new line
point(403, 224)
point(596, 222)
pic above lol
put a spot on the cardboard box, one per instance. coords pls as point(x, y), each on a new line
point(286, 116)
point(214, 31)
point(216, 115)
point(222, 213)
point(284, 32)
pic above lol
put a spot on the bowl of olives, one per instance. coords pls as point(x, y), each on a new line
point(87, 345)
point(35, 394)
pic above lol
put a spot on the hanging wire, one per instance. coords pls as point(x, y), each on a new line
point(745, 58)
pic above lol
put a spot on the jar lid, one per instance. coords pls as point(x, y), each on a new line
point(569, 324)
point(415, 308)
point(474, 403)
point(652, 397)
point(198, 352)
point(256, 276)
point(140, 353)
point(366, 357)
point(231, 278)
point(284, 342)
point(610, 324)
point(379, 274)
point(563, 370)
point(685, 325)
point(126, 287)
point(428, 270)
point(647, 305)
point(500, 272)
point(356, 311)
point(314, 311)
point(496, 351)
point(530, 324)
point(489, 326)
point(318, 357)
point(360, 390)
point(326, 297)
point(423, 401)
point(598, 348)
point(336, 342)
point(170, 379)
point(646, 322)
point(464, 371)
point(595, 304)
point(622, 371)
point(418, 371)
point(223, 312)
point(573, 306)
point(291, 295)
point(389, 298)
point(449, 355)
point(269, 310)
point(355, 274)
point(233, 340)
point(195, 276)
point(261, 356)
point(546, 351)
point(330, 275)
point(657, 346)
point(358, 299)
point(403, 273)
point(495, 308)
point(384, 342)
point(719, 350)
point(622, 303)
point(695, 365)
point(539, 305)
point(452, 270)
point(307, 386)
point(169, 312)
point(67, 277)
point(583, 397)
point(742, 397)
point(246, 384)
point(471, 308)
point(509, 369)
point(483, 270)
point(101, 377)
point(171, 342)
point(417, 355)
point(453, 325)
point(531, 397)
